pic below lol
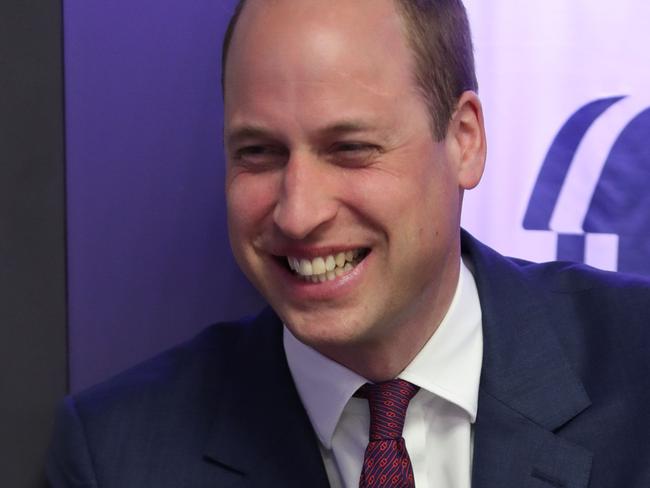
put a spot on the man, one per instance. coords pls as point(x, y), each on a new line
point(390, 357)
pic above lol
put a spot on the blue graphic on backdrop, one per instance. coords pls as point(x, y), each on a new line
point(620, 203)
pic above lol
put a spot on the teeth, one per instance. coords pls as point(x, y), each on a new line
point(306, 268)
point(318, 266)
point(324, 268)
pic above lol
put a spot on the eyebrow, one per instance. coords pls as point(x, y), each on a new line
point(343, 127)
point(347, 127)
point(248, 132)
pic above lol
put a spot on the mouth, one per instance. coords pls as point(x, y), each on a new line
point(324, 268)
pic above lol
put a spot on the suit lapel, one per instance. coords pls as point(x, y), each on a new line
point(511, 450)
point(261, 432)
point(528, 388)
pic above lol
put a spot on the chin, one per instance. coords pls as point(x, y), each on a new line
point(324, 330)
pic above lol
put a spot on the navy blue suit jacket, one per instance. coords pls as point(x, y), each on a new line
point(564, 396)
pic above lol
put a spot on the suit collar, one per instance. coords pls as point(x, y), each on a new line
point(261, 431)
point(524, 365)
point(528, 387)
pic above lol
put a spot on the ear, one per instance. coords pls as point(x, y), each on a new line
point(466, 140)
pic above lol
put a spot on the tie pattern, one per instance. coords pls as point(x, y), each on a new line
point(386, 463)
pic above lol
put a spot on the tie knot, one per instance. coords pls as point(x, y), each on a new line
point(388, 402)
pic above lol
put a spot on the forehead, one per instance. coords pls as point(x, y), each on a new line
point(309, 44)
point(298, 17)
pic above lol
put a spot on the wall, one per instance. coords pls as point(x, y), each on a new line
point(32, 236)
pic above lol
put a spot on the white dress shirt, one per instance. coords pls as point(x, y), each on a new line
point(438, 425)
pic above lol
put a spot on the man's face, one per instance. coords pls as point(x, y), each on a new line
point(332, 169)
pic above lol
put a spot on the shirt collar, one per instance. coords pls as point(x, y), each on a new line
point(448, 366)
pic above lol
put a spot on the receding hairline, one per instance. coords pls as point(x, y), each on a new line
point(237, 12)
point(438, 37)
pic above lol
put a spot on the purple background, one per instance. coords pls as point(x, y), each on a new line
point(148, 258)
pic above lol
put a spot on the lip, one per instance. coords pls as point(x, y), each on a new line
point(296, 289)
point(301, 252)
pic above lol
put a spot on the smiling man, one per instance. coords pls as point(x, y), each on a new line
point(343, 206)
point(392, 354)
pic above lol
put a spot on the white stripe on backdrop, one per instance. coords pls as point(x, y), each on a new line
point(539, 62)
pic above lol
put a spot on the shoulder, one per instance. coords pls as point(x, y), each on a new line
point(602, 302)
point(556, 277)
point(179, 387)
point(596, 293)
point(612, 309)
point(186, 369)
point(596, 315)
point(160, 410)
point(565, 276)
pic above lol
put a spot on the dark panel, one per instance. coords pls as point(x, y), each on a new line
point(32, 242)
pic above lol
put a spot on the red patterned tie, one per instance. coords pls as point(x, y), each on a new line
point(386, 463)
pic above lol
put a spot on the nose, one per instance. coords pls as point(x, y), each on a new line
point(307, 199)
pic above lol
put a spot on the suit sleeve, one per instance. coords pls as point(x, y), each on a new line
point(69, 463)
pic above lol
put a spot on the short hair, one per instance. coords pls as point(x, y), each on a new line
point(439, 36)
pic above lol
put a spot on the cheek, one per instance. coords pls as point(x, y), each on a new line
point(249, 198)
point(416, 209)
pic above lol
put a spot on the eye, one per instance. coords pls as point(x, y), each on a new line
point(352, 153)
point(351, 147)
point(260, 157)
